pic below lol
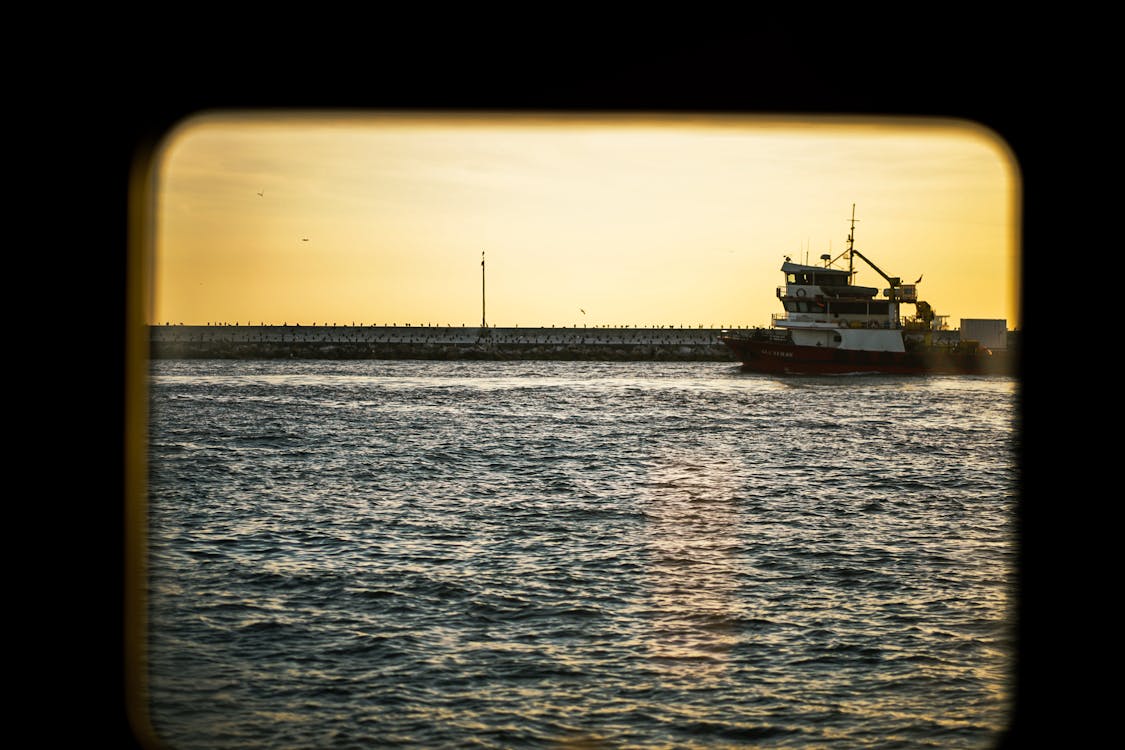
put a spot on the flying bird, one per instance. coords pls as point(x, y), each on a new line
point(261, 193)
point(304, 239)
point(919, 281)
point(583, 311)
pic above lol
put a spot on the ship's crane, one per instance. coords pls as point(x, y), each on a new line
point(896, 291)
point(894, 281)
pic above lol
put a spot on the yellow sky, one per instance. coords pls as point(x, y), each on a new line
point(638, 220)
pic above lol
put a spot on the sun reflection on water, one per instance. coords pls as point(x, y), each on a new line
point(690, 503)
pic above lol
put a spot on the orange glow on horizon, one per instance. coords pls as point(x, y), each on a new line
point(381, 217)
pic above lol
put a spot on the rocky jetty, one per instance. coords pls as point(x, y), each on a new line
point(436, 342)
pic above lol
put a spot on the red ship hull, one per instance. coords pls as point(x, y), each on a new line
point(775, 357)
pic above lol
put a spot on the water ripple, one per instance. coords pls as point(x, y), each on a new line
point(421, 554)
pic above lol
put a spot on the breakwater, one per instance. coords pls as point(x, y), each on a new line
point(435, 342)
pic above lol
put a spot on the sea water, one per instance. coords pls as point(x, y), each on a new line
point(577, 554)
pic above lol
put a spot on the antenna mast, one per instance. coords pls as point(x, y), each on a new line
point(483, 324)
point(851, 242)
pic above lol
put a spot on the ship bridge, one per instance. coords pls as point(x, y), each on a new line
point(832, 282)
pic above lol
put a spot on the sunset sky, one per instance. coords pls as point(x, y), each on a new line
point(377, 217)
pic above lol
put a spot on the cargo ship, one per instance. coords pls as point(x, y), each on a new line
point(833, 326)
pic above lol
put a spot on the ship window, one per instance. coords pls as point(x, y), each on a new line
point(862, 308)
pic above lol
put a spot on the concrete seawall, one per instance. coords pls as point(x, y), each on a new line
point(435, 342)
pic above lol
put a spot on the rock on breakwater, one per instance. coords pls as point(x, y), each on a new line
point(435, 342)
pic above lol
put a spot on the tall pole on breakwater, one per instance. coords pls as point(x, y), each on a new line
point(483, 324)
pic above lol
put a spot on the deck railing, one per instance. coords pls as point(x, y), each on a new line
point(777, 318)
